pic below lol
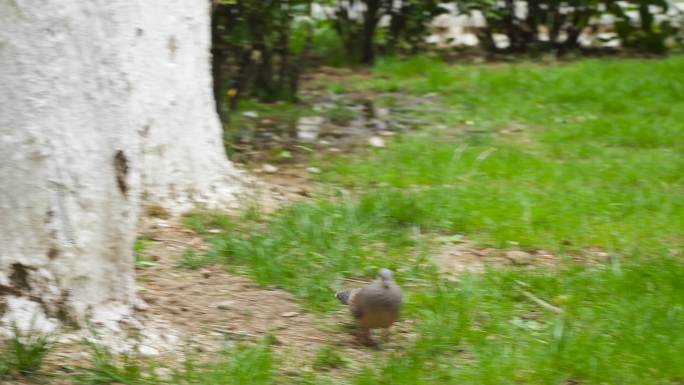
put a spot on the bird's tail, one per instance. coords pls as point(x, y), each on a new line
point(343, 296)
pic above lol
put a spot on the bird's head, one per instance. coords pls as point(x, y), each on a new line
point(385, 276)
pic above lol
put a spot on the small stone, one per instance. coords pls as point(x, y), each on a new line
point(279, 325)
point(602, 255)
point(140, 305)
point(250, 114)
point(380, 125)
point(269, 168)
point(148, 350)
point(225, 305)
point(307, 136)
point(376, 141)
point(163, 373)
point(289, 314)
point(215, 231)
point(68, 338)
point(519, 257)
point(313, 170)
point(308, 127)
point(381, 112)
point(311, 120)
point(273, 340)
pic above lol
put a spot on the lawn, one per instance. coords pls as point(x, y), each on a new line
point(567, 158)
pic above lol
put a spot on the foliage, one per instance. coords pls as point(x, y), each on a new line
point(525, 23)
point(649, 34)
point(358, 24)
point(320, 42)
point(409, 25)
point(251, 50)
point(262, 48)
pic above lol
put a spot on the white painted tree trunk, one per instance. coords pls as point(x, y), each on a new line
point(183, 159)
point(103, 104)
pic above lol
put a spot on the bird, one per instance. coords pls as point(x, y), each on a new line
point(376, 305)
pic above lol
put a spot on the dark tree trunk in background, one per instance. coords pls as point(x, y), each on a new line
point(371, 17)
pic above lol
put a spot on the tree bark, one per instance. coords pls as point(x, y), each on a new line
point(183, 157)
point(103, 105)
point(371, 17)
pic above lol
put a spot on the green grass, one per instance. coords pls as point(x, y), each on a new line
point(244, 364)
point(141, 261)
point(567, 158)
point(620, 325)
point(306, 248)
point(190, 259)
point(598, 161)
point(23, 352)
point(327, 357)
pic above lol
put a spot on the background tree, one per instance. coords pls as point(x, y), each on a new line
point(409, 24)
point(556, 26)
point(252, 53)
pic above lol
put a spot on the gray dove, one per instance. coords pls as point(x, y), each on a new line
point(375, 305)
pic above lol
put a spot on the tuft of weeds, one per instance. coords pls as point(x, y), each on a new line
point(5, 368)
point(207, 221)
point(238, 365)
point(140, 260)
point(191, 260)
point(341, 114)
point(328, 358)
point(24, 351)
point(157, 211)
point(243, 364)
point(107, 367)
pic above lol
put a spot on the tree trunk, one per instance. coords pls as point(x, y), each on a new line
point(371, 17)
point(103, 105)
point(183, 158)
